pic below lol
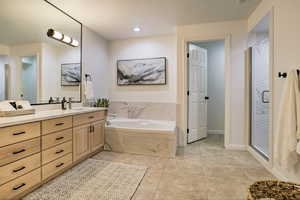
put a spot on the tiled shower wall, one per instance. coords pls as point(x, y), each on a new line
point(143, 110)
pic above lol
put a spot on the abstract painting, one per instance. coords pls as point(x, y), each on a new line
point(70, 74)
point(149, 71)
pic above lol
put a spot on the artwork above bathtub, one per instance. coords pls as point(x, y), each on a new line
point(148, 71)
point(70, 74)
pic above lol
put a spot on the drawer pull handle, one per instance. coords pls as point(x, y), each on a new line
point(91, 117)
point(20, 151)
point(19, 169)
point(60, 138)
point(60, 151)
point(59, 124)
point(19, 186)
point(19, 133)
point(59, 165)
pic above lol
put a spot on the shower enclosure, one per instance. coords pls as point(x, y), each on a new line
point(260, 88)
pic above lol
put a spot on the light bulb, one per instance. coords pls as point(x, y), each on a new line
point(67, 39)
point(75, 43)
point(57, 35)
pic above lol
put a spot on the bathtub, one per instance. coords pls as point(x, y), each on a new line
point(139, 136)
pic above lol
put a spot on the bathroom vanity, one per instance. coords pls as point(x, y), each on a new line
point(37, 148)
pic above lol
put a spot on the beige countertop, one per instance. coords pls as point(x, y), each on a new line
point(44, 115)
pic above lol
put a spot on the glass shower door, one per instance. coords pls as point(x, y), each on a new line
point(259, 139)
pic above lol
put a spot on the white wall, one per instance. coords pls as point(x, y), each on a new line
point(149, 47)
point(52, 58)
point(238, 32)
point(286, 51)
point(95, 61)
point(15, 64)
point(28, 77)
point(4, 50)
point(3, 61)
point(215, 85)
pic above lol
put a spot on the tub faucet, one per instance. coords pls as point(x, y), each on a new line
point(112, 115)
point(135, 111)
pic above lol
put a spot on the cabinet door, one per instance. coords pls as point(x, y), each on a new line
point(97, 135)
point(81, 141)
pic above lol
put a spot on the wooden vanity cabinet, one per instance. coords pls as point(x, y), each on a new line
point(88, 137)
point(97, 135)
point(33, 153)
point(81, 141)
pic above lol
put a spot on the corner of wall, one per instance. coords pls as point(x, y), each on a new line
point(262, 9)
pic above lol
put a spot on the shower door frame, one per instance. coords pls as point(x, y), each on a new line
point(268, 163)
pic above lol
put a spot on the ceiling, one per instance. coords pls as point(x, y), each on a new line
point(24, 22)
point(115, 19)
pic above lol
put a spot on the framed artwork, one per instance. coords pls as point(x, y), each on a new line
point(70, 74)
point(148, 71)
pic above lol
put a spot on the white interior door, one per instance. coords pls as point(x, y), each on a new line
point(197, 112)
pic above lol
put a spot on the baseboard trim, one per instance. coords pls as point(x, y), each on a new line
point(267, 165)
point(218, 132)
point(235, 147)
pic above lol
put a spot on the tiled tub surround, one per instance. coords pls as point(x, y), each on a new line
point(143, 110)
point(36, 148)
point(140, 136)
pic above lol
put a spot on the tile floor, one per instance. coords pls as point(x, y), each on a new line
point(201, 171)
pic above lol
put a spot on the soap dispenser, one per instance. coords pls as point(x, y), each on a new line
point(64, 104)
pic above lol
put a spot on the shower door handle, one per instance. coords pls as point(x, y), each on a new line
point(263, 96)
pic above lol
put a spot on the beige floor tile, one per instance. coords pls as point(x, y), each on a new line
point(201, 171)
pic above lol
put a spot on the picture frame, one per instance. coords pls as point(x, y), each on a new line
point(145, 71)
point(70, 74)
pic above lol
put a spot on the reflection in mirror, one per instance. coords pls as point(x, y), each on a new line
point(33, 66)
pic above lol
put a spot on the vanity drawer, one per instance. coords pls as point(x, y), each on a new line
point(19, 168)
point(56, 138)
point(56, 166)
point(56, 152)
point(20, 150)
point(14, 188)
point(58, 124)
point(88, 118)
point(14, 134)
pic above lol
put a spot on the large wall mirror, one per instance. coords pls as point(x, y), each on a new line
point(34, 66)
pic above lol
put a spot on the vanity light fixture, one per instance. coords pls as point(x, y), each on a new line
point(62, 38)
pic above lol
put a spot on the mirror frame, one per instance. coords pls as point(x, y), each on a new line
point(60, 10)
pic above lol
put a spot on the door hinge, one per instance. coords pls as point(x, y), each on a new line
point(188, 93)
point(188, 131)
point(188, 55)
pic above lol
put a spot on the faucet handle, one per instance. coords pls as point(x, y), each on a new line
point(70, 99)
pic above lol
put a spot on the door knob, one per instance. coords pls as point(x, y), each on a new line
point(206, 98)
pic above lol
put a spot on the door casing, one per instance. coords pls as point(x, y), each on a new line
point(227, 78)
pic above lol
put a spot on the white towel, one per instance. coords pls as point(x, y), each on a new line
point(89, 91)
point(288, 130)
point(6, 106)
point(25, 104)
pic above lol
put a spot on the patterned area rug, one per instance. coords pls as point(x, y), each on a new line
point(93, 180)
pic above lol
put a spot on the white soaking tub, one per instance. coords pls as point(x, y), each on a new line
point(139, 136)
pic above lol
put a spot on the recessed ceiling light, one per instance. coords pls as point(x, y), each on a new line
point(136, 29)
